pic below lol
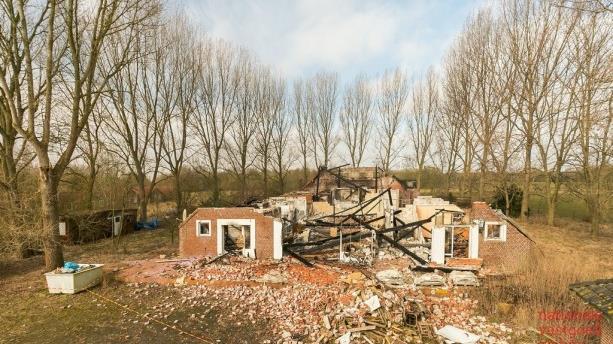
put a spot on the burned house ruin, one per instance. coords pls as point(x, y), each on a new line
point(357, 215)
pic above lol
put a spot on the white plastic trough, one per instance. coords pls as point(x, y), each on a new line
point(70, 283)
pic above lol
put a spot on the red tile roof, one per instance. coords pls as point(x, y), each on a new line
point(482, 211)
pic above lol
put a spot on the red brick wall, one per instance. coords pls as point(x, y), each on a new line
point(192, 245)
point(505, 255)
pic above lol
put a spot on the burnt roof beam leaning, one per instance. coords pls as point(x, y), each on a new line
point(397, 245)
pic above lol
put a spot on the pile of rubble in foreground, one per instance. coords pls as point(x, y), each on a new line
point(343, 305)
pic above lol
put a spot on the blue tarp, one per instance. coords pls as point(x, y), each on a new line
point(151, 224)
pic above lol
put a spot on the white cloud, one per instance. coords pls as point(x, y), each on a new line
point(350, 37)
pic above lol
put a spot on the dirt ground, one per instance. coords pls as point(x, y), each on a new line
point(29, 314)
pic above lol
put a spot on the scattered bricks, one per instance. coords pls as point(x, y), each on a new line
point(315, 305)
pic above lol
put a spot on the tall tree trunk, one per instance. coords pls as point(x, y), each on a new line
point(281, 182)
point(243, 184)
point(142, 199)
point(526, 187)
point(90, 190)
point(142, 207)
point(551, 203)
point(551, 211)
point(215, 197)
point(178, 193)
point(52, 247)
point(481, 183)
point(507, 201)
point(594, 213)
point(265, 171)
point(305, 173)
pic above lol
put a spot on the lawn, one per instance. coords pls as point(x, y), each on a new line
point(29, 314)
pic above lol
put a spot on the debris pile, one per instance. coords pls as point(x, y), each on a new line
point(332, 304)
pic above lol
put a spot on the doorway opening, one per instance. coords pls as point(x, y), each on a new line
point(236, 236)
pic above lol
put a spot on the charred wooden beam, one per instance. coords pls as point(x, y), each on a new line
point(331, 242)
point(299, 257)
point(403, 249)
point(216, 258)
point(396, 244)
point(363, 205)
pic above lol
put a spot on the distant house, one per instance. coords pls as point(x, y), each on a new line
point(91, 225)
point(215, 231)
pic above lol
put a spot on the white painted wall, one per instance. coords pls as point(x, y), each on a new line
point(277, 239)
point(473, 241)
point(437, 249)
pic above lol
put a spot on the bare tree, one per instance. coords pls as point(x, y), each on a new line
point(282, 156)
point(241, 151)
point(422, 120)
point(591, 58)
point(393, 93)
point(14, 155)
point(89, 146)
point(267, 104)
point(538, 36)
point(142, 104)
point(448, 125)
point(554, 139)
point(303, 125)
point(488, 69)
point(459, 92)
point(505, 147)
point(218, 84)
point(62, 41)
point(185, 64)
point(356, 118)
point(322, 108)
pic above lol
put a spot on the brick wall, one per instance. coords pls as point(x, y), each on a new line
point(505, 255)
point(192, 245)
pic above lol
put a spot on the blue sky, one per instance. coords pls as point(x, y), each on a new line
point(299, 38)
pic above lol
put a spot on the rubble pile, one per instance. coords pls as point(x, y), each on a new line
point(458, 309)
point(222, 272)
point(331, 305)
point(295, 311)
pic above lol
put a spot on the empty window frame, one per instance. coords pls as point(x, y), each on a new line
point(203, 228)
point(495, 231)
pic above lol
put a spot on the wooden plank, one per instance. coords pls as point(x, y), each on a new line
point(216, 258)
point(299, 257)
point(403, 249)
point(396, 244)
point(362, 328)
point(172, 260)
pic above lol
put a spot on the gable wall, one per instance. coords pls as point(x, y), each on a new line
point(505, 255)
point(191, 245)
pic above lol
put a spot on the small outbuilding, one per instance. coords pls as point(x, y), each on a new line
point(91, 225)
point(503, 243)
point(215, 231)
